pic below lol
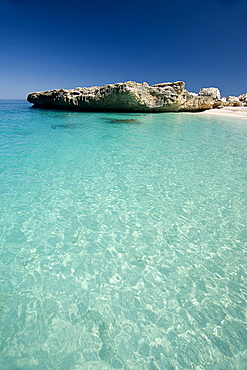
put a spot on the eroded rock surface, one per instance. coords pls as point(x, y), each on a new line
point(243, 98)
point(210, 91)
point(233, 101)
point(130, 97)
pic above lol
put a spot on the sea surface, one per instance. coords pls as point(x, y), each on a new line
point(122, 240)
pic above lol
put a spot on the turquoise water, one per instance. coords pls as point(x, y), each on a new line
point(123, 240)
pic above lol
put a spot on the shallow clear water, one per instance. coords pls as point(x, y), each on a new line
point(123, 240)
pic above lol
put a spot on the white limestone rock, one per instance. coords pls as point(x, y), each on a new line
point(233, 101)
point(210, 91)
point(129, 97)
point(243, 99)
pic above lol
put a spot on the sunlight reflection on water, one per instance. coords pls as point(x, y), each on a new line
point(123, 240)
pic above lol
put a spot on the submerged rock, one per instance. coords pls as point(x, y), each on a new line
point(129, 97)
point(116, 120)
point(65, 126)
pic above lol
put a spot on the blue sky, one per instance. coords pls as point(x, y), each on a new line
point(64, 44)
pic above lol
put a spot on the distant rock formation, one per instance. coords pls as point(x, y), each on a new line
point(132, 97)
point(233, 101)
point(210, 91)
point(243, 99)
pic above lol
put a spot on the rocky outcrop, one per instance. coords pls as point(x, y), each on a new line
point(210, 91)
point(233, 101)
point(243, 99)
point(130, 97)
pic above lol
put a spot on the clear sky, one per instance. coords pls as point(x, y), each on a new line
point(50, 44)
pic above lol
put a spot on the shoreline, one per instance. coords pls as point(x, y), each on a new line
point(238, 112)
